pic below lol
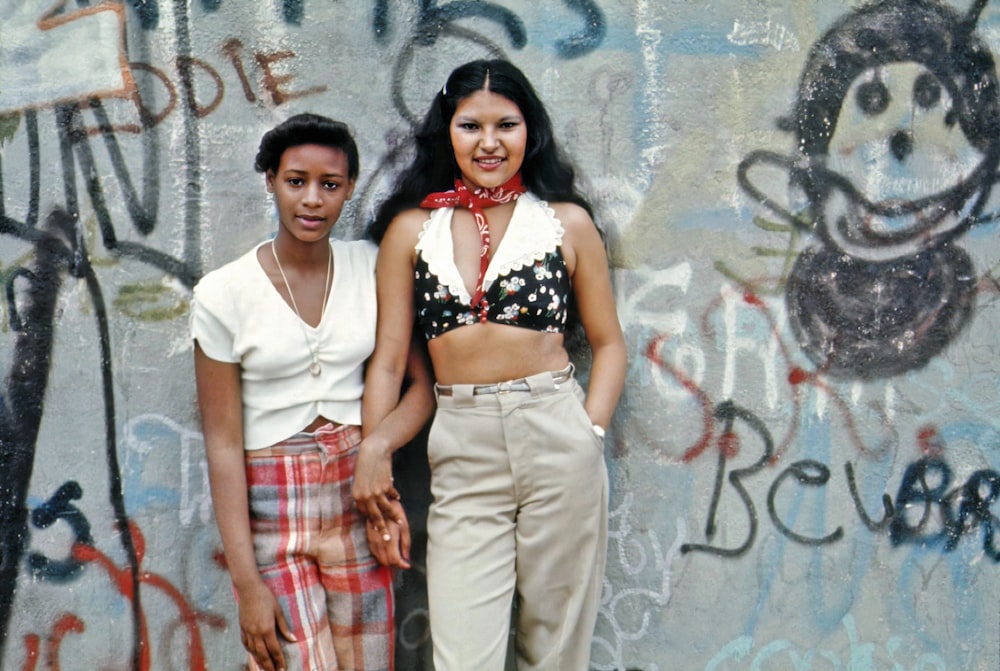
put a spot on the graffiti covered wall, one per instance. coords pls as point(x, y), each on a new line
point(798, 199)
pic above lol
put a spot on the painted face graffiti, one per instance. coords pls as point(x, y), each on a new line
point(912, 172)
point(896, 123)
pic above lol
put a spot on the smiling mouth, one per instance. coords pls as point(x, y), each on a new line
point(489, 162)
point(888, 229)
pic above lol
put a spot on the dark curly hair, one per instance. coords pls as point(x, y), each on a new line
point(302, 129)
point(545, 171)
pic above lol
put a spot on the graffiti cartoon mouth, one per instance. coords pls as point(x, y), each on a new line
point(889, 229)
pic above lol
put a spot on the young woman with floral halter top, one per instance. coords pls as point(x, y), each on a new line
point(488, 250)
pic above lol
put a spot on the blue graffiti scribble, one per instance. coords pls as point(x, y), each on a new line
point(148, 12)
point(292, 11)
point(592, 34)
point(433, 21)
point(859, 655)
point(57, 508)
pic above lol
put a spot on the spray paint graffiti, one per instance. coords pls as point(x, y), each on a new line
point(627, 611)
point(35, 69)
point(56, 509)
point(857, 655)
point(66, 624)
point(724, 381)
point(122, 579)
point(888, 187)
point(434, 20)
point(858, 474)
point(937, 515)
point(57, 251)
point(99, 127)
point(60, 249)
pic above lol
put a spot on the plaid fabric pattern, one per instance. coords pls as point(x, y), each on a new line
point(311, 550)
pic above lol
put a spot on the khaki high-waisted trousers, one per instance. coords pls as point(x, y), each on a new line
point(520, 503)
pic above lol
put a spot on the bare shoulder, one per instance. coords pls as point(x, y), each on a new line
point(581, 242)
point(411, 220)
point(573, 217)
point(405, 228)
point(579, 230)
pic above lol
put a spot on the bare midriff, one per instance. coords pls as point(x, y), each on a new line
point(318, 422)
point(487, 353)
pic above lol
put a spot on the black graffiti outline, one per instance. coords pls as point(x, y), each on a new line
point(888, 508)
point(928, 483)
point(728, 412)
point(819, 477)
point(434, 20)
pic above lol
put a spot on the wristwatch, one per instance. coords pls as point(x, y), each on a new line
point(599, 430)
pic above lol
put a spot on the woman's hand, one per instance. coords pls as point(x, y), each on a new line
point(374, 494)
point(391, 545)
point(261, 620)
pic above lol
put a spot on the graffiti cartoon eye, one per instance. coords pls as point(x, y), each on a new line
point(926, 91)
point(873, 97)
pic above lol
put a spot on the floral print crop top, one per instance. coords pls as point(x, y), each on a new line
point(526, 284)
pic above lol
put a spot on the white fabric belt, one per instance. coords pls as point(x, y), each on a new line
point(520, 384)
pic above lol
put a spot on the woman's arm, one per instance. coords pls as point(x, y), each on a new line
point(596, 304)
point(222, 424)
point(374, 491)
point(389, 421)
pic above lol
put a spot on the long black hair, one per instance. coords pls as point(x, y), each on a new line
point(545, 171)
point(306, 128)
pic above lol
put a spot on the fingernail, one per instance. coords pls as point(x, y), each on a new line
point(387, 537)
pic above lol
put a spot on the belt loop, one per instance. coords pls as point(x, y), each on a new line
point(541, 383)
point(330, 440)
point(463, 395)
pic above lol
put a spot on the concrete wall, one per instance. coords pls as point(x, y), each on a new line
point(805, 461)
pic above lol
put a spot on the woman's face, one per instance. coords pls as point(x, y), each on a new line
point(488, 136)
point(310, 188)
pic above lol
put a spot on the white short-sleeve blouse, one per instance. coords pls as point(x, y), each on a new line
point(238, 316)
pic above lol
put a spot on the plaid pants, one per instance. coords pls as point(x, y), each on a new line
point(311, 550)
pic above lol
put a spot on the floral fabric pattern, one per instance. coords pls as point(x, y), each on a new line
point(534, 296)
point(525, 284)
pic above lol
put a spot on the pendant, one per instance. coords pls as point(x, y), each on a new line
point(314, 368)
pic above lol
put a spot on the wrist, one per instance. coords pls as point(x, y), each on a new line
point(246, 582)
point(376, 446)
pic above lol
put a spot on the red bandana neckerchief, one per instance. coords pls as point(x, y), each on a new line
point(475, 201)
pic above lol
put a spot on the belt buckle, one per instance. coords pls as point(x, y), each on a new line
point(504, 387)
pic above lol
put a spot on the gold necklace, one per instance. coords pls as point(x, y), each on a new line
point(314, 367)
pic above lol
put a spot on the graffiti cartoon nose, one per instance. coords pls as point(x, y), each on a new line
point(901, 144)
